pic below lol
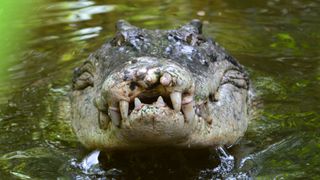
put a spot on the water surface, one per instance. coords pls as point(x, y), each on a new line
point(278, 42)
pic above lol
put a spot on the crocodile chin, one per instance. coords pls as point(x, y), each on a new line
point(149, 88)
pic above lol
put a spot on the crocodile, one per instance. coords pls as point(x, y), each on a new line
point(160, 88)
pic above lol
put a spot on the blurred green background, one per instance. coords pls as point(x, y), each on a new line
point(13, 28)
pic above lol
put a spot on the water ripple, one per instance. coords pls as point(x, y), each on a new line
point(66, 15)
point(69, 5)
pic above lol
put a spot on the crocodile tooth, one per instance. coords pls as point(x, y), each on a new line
point(188, 111)
point(115, 116)
point(124, 109)
point(137, 103)
point(141, 72)
point(165, 80)
point(160, 102)
point(176, 100)
point(151, 76)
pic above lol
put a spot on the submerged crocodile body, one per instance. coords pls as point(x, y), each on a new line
point(150, 88)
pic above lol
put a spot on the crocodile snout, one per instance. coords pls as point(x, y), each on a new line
point(147, 81)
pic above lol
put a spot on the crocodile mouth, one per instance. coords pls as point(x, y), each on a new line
point(159, 101)
point(154, 119)
point(153, 102)
point(150, 98)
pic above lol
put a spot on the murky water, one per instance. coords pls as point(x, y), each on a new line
point(277, 40)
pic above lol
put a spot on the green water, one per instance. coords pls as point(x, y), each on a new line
point(277, 40)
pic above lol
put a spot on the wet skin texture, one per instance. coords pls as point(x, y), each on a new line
point(152, 88)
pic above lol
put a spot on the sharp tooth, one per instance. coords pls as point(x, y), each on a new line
point(176, 100)
point(137, 103)
point(160, 102)
point(115, 116)
point(124, 109)
point(188, 111)
point(165, 80)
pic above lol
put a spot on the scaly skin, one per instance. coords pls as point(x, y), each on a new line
point(203, 91)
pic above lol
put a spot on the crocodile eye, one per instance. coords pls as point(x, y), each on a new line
point(118, 40)
point(83, 77)
point(189, 39)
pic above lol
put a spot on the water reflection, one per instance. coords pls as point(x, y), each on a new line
point(68, 12)
point(278, 42)
point(86, 33)
point(68, 5)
